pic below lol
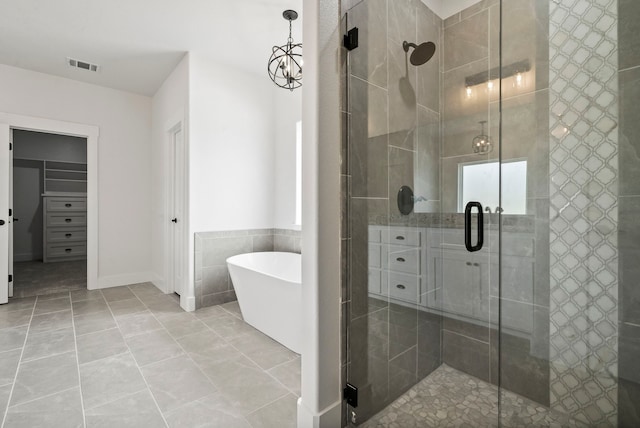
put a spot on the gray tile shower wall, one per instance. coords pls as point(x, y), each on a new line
point(629, 206)
point(391, 123)
point(472, 45)
point(213, 284)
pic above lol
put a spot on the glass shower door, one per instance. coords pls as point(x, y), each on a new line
point(422, 202)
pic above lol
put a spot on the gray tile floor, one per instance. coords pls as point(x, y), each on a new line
point(130, 357)
point(37, 278)
point(451, 398)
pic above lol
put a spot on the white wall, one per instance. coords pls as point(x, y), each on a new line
point(241, 136)
point(169, 106)
point(124, 120)
point(288, 108)
point(231, 127)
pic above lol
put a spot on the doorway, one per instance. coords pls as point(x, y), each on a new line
point(87, 202)
point(49, 234)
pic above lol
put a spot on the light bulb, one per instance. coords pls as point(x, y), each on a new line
point(490, 85)
point(469, 92)
point(519, 79)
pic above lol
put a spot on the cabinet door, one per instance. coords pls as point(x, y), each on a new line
point(461, 283)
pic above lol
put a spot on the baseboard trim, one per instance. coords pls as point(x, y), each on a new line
point(188, 303)
point(159, 282)
point(328, 418)
point(124, 279)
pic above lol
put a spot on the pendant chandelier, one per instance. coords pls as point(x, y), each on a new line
point(285, 64)
point(482, 143)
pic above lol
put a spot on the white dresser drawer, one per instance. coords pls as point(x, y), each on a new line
point(70, 219)
point(403, 259)
point(66, 204)
point(402, 236)
point(70, 250)
point(403, 287)
point(68, 234)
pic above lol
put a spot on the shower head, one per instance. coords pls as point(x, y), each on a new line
point(421, 54)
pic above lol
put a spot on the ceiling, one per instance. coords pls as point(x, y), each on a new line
point(446, 8)
point(137, 43)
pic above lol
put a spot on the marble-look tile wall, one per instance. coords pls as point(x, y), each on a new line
point(629, 210)
point(583, 167)
point(213, 284)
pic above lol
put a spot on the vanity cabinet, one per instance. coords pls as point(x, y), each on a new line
point(64, 227)
point(397, 264)
point(432, 269)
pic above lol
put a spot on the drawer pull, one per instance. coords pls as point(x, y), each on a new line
point(400, 259)
point(67, 250)
point(67, 205)
point(469, 263)
point(68, 220)
point(400, 238)
point(400, 286)
point(476, 264)
point(68, 235)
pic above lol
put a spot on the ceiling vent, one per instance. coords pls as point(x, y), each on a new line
point(76, 63)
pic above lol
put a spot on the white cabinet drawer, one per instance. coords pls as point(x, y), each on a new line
point(62, 219)
point(375, 256)
point(403, 287)
point(66, 204)
point(69, 234)
point(402, 236)
point(403, 259)
point(75, 249)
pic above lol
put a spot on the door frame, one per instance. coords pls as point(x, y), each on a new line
point(187, 298)
point(91, 133)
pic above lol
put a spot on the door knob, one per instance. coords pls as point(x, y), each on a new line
point(174, 220)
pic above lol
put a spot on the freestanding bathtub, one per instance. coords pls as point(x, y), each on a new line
point(269, 290)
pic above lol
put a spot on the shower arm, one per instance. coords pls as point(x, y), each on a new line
point(406, 45)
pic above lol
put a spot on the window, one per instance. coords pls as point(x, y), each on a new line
point(479, 182)
point(298, 220)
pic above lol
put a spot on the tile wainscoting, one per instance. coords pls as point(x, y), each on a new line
point(213, 285)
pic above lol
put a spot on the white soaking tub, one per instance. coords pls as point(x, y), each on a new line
point(269, 290)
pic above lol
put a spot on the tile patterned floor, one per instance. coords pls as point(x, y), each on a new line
point(451, 398)
point(37, 278)
point(130, 357)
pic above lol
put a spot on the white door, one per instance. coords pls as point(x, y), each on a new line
point(177, 200)
point(5, 183)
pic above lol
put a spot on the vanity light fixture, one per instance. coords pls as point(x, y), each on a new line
point(516, 69)
point(482, 143)
point(285, 64)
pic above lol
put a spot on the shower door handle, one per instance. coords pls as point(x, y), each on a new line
point(467, 227)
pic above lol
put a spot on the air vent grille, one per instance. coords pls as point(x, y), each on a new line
point(83, 65)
